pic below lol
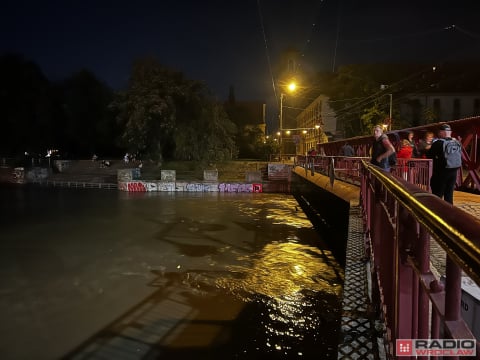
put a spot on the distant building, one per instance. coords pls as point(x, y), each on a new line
point(316, 123)
point(415, 109)
point(249, 117)
point(424, 108)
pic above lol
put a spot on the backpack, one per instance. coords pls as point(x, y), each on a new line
point(452, 151)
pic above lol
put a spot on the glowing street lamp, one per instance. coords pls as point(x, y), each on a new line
point(317, 128)
point(291, 87)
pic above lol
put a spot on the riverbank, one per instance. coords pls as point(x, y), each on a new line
point(230, 176)
point(87, 171)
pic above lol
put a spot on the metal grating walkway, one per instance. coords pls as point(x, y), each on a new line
point(357, 336)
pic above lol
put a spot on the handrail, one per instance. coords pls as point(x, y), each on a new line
point(76, 184)
point(400, 218)
point(347, 168)
point(456, 231)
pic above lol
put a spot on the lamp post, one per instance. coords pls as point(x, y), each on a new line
point(390, 113)
point(384, 87)
point(281, 124)
point(291, 88)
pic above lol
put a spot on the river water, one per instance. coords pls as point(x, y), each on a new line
point(163, 275)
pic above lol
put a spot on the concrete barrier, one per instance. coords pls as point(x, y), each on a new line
point(210, 175)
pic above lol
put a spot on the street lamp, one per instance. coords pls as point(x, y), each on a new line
point(282, 95)
point(390, 113)
point(291, 88)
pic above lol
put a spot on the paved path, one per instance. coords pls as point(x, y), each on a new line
point(470, 203)
point(358, 333)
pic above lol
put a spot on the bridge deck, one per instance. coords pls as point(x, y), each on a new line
point(358, 333)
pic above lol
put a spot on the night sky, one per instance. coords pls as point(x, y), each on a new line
point(227, 42)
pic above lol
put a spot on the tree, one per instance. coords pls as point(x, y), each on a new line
point(26, 107)
point(88, 125)
point(371, 116)
point(163, 115)
point(269, 148)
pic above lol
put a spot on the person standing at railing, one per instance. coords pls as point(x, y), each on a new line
point(412, 144)
point(382, 148)
point(312, 153)
point(347, 150)
point(446, 154)
point(425, 144)
point(405, 153)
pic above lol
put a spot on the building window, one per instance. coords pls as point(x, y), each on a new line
point(292, 66)
point(476, 106)
point(456, 109)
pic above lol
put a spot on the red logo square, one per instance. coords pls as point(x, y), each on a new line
point(404, 348)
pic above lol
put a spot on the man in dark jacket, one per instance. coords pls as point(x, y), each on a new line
point(444, 177)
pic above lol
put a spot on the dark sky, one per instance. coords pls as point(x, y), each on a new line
point(234, 42)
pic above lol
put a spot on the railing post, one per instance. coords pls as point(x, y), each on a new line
point(422, 253)
point(453, 291)
point(406, 300)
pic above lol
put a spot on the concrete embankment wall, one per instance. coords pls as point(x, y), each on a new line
point(278, 178)
point(327, 206)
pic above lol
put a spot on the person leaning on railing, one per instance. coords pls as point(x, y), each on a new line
point(382, 148)
point(347, 150)
point(425, 144)
point(412, 144)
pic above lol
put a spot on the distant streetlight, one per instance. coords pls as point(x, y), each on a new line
point(304, 131)
point(384, 87)
point(317, 128)
point(390, 113)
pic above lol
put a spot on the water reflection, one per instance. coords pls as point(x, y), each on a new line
point(298, 289)
point(282, 270)
point(204, 276)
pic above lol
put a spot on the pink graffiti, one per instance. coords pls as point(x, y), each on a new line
point(136, 186)
point(235, 188)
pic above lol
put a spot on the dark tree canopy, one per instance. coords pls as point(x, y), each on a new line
point(26, 106)
point(166, 116)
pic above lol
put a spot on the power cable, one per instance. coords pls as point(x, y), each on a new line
point(337, 35)
point(259, 7)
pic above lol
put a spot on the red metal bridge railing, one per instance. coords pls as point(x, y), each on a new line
point(414, 171)
point(400, 221)
point(466, 130)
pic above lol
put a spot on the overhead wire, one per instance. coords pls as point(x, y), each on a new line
point(371, 99)
point(375, 97)
point(259, 8)
point(267, 50)
point(360, 105)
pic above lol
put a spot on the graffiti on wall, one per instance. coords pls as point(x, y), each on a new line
point(248, 188)
point(279, 171)
point(144, 186)
point(132, 186)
